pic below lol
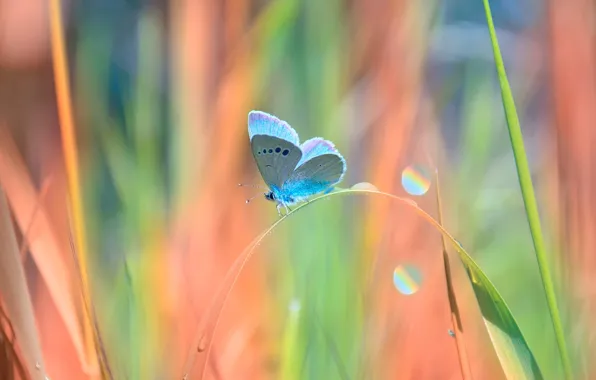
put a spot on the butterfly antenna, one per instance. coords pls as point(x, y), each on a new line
point(251, 198)
point(254, 186)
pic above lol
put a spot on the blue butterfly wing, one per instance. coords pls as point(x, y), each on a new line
point(261, 123)
point(276, 158)
point(316, 147)
point(316, 175)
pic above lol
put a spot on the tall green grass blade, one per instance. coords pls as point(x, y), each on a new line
point(527, 190)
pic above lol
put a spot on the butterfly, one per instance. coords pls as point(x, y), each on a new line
point(292, 171)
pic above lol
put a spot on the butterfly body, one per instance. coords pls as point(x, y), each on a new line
point(293, 172)
point(279, 196)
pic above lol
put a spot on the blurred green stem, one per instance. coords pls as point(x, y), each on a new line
point(462, 355)
point(527, 189)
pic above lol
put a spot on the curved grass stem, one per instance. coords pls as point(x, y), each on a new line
point(207, 327)
point(527, 189)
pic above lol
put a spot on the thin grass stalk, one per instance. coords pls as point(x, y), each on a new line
point(44, 243)
point(527, 189)
point(16, 298)
point(456, 322)
point(69, 145)
point(38, 201)
point(8, 345)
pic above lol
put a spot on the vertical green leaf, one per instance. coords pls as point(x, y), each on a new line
point(527, 189)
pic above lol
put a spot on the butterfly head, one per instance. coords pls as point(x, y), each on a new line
point(270, 196)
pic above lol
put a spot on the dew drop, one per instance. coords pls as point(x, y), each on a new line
point(416, 179)
point(37, 366)
point(407, 279)
point(451, 333)
point(364, 186)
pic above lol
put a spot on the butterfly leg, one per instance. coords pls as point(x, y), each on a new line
point(285, 206)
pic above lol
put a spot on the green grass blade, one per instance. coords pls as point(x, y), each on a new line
point(527, 190)
point(511, 347)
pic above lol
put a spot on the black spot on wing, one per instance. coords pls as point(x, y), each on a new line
point(275, 168)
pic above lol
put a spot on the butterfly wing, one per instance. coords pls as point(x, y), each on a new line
point(261, 123)
point(274, 146)
point(323, 167)
point(316, 147)
point(298, 172)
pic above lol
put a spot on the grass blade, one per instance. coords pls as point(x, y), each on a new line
point(460, 345)
point(513, 352)
point(10, 361)
point(41, 238)
point(15, 294)
point(511, 347)
point(527, 189)
point(67, 128)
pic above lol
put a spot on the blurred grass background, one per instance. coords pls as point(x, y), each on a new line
point(161, 91)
